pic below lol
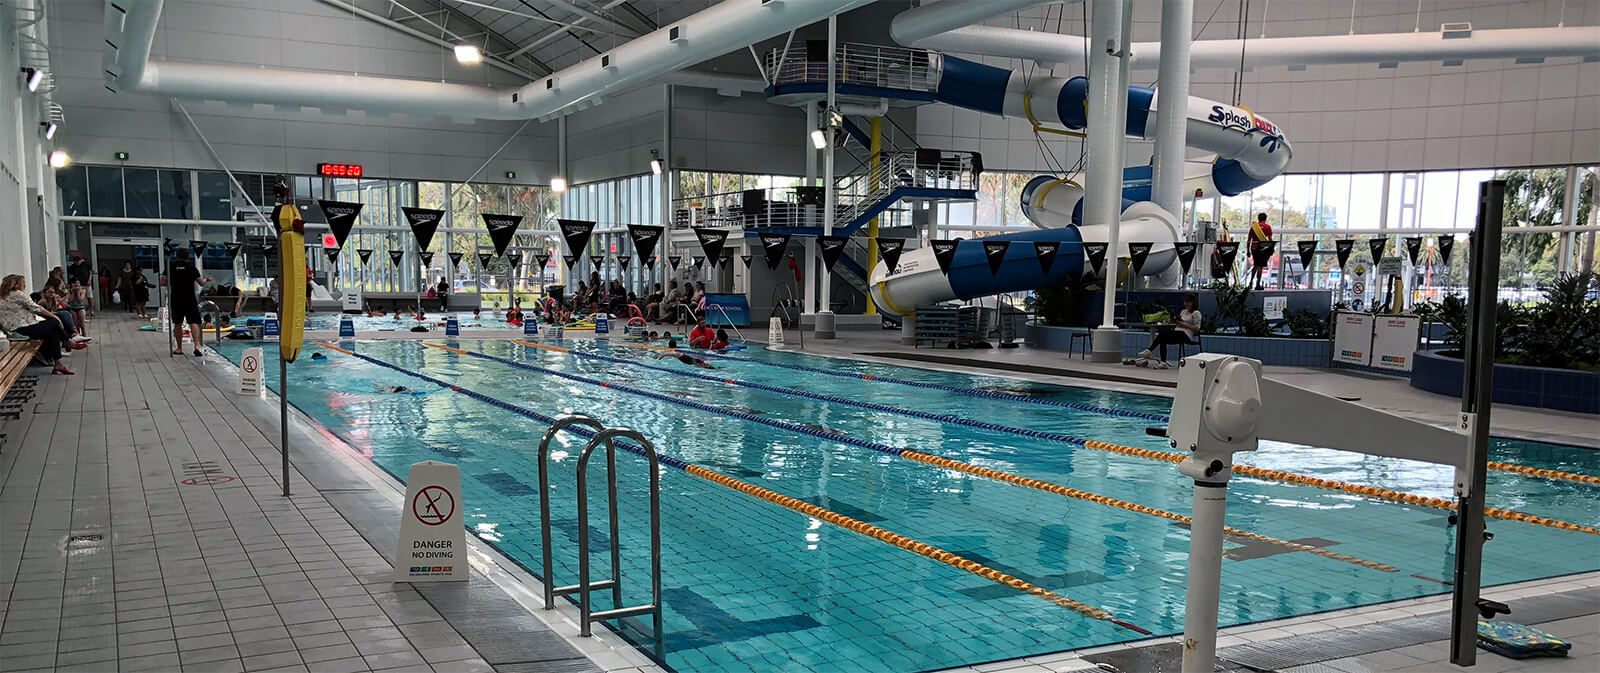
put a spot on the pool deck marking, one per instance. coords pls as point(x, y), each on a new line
point(1335, 485)
point(930, 459)
point(1503, 467)
point(808, 509)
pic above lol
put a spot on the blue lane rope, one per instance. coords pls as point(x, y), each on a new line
point(834, 399)
point(953, 389)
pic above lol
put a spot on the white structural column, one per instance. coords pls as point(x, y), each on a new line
point(825, 320)
point(1569, 216)
point(1172, 123)
point(669, 191)
point(810, 245)
point(1108, 120)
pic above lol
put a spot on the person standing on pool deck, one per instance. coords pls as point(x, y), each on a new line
point(185, 278)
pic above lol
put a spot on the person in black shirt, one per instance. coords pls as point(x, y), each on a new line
point(184, 278)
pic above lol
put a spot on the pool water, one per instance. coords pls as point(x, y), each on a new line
point(753, 586)
point(329, 322)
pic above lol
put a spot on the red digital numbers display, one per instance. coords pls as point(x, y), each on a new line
point(339, 170)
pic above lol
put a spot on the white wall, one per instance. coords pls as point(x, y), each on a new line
point(744, 134)
point(1419, 116)
point(30, 243)
point(299, 34)
point(614, 139)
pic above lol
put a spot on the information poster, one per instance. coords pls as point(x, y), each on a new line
point(1352, 338)
point(1394, 341)
point(1272, 307)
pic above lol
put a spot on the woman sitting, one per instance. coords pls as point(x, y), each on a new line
point(22, 316)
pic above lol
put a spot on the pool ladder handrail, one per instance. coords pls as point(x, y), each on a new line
point(728, 319)
point(584, 586)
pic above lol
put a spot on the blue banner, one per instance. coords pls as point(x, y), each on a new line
point(530, 326)
point(734, 308)
point(452, 327)
point(602, 327)
point(270, 329)
point(347, 328)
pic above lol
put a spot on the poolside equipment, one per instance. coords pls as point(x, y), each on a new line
point(1518, 641)
point(607, 436)
point(291, 308)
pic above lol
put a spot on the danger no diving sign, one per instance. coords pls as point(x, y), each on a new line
point(432, 540)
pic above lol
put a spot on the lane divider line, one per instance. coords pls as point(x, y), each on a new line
point(1503, 467)
point(1335, 485)
point(921, 384)
point(918, 456)
point(808, 509)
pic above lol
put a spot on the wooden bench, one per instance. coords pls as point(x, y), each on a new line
point(13, 387)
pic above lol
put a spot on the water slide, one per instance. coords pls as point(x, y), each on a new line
point(1250, 150)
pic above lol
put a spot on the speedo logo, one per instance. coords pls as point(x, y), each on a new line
point(423, 218)
point(996, 251)
point(339, 210)
point(574, 229)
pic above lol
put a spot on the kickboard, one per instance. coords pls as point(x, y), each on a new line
point(1518, 641)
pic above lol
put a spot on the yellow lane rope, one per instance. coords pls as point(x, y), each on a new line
point(1096, 498)
point(1547, 474)
point(1335, 485)
point(908, 544)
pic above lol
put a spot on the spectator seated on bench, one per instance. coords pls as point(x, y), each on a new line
point(21, 316)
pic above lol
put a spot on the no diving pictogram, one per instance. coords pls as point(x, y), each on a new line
point(251, 364)
point(208, 480)
point(433, 505)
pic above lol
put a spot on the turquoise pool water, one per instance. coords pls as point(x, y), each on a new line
point(329, 322)
point(752, 586)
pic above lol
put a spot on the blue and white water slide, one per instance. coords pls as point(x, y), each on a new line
point(1250, 150)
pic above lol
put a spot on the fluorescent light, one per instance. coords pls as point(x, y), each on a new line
point(819, 139)
point(50, 130)
point(58, 159)
point(35, 76)
point(468, 53)
point(558, 184)
point(655, 162)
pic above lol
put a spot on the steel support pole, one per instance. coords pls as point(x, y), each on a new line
point(1476, 398)
point(1107, 123)
point(283, 413)
point(810, 246)
point(1172, 104)
point(824, 328)
point(1205, 575)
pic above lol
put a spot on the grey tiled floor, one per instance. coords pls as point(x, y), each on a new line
point(108, 562)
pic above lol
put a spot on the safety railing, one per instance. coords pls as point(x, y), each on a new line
point(718, 308)
point(789, 307)
point(856, 64)
point(607, 437)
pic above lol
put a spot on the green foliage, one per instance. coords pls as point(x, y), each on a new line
point(1234, 315)
point(1561, 332)
point(1304, 323)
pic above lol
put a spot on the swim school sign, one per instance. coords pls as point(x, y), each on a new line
point(433, 543)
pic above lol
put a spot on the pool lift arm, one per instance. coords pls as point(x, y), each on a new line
point(1222, 407)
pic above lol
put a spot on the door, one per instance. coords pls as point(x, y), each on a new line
point(143, 253)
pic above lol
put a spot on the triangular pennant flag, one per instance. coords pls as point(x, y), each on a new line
point(596, 260)
point(233, 249)
point(483, 260)
point(365, 254)
point(501, 229)
point(268, 248)
point(673, 260)
point(576, 233)
point(644, 238)
point(1096, 252)
point(198, 248)
point(651, 261)
point(424, 222)
point(341, 217)
point(1185, 254)
point(832, 248)
point(772, 247)
point(542, 260)
point(1227, 251)
point(1308, 249)
point(1046, 251)
point(944, 252)
point(995, 252)
point(570, 260)
point(515, 259)
point(1377, 246)
point(711, 240)
point(1446, 245)
point(1139, 253)
point(747, 259)
point(395, 255)
point(1261, 252)
point(427, 258)
point(1413, 248)
point(332, 253)
point(622, 261)
point(455, 259)
point(1342, 248)
point(890, 249)
point(699, 261)
point(727, 256)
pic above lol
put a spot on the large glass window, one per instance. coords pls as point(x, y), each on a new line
point(215, 196)
point(142, 191)
point(174, 195)
point(73, 181)
point(105, 192)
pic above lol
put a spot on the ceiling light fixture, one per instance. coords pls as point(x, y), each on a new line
point(655, 162)
point(558, 184)
point(58, 159)
point(50, 130)
point(468, 53)
point(35, 76)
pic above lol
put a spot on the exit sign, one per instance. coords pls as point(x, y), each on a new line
point(339, 170)
point(122, 156)
point(511, 175)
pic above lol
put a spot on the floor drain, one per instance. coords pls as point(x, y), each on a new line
point(91, 537)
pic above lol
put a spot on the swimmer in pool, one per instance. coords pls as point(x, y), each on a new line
point(685, 358)
point(395, 389)
point(823, 428)
point(746, 410)
point(318, 356)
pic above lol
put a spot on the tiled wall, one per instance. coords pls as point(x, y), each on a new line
point(1563, 389)
point(1269, 350)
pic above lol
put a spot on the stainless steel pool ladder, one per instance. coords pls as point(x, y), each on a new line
point(727, 319)
point(606, 436)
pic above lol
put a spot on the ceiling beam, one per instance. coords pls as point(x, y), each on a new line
point(442, 37)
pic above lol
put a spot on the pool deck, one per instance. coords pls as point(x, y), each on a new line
point(108, 561)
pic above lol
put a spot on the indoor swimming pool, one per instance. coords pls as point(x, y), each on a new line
point(329, 322)
point(930, 486)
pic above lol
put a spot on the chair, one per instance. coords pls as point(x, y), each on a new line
point(1088, 343)
point(1183, 348)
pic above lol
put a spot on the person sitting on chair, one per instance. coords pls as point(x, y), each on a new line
point(1187, 332)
